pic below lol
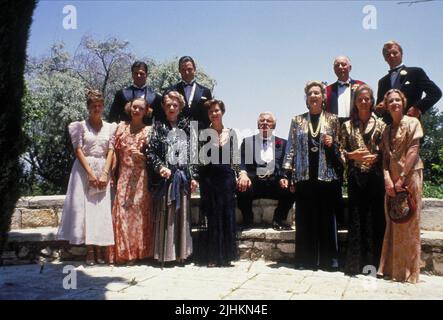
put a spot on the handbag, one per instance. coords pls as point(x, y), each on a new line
point(402, 207)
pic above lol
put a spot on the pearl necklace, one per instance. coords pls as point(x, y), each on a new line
point(320, 124)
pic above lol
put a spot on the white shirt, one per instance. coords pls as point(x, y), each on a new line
point(344, 99)
point(267, 150)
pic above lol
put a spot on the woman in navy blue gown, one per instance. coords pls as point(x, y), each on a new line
point(218, 175)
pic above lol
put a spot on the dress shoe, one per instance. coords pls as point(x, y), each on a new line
point(246, 226)
point(276, 226)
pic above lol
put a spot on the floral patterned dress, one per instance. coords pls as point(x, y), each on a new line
point(132, 208)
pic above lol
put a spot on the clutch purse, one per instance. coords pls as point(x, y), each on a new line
point(97, 168)
point(401, 207)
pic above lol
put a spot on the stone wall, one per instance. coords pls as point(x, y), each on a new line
point(46, 211)
point(35, 220)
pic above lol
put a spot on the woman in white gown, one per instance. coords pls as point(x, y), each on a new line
point(86, 217)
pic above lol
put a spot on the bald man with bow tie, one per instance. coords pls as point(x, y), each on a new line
point(340, 94)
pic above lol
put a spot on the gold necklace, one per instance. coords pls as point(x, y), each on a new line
point(311, 129)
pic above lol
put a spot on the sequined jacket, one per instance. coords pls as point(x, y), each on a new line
point(172, 151)
point(296, 160)
point(352, 138)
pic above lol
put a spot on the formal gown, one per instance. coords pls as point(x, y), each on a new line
point(169, 147)
point(132, 207)
point(365, 195)
point(217, 191)
point(400, 259)
point(86, 217)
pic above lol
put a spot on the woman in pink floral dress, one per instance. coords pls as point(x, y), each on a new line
point(131, 212)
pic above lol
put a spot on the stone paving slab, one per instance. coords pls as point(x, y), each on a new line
point(257, 280)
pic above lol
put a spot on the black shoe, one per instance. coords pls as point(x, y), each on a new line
point(246, 226)
point(285, 226)
point(277, 226)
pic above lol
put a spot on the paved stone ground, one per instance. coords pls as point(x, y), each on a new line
point(257, 280)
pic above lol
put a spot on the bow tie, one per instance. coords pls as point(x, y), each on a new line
point(344, 84)
point(138, 89)
point(394, 70)
point(188, 84)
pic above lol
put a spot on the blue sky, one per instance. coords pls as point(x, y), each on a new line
point(260, 52)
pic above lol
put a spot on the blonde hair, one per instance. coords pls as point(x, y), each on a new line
point(403, 98)
point(391, 44)
point(174, 95)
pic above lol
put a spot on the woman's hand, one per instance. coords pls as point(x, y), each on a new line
point(92, 180)
point(103, 180)
point(136, 154)
point(399, 184)
point(243, 182)
point(389, 186)
point(327, 140)
point(284, 183)
point(363, 156)
point(194, 185)
point(165, 172)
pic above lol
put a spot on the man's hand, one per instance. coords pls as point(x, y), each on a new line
point(414, 112)
point(380, 108)
point(194, 185)
point(243, 182)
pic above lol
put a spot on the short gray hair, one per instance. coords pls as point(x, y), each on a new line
point(269, 113)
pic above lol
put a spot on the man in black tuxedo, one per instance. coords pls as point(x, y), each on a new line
point(138, 89)
point(261, 161)
point(412, 81)
point(194, 93)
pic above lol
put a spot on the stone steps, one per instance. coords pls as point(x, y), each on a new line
point(39, 245)
point(35, 220)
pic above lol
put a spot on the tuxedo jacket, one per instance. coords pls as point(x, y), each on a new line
point(117, 112)
point(196, 110)
point(332, 96)
point(413, 83)
point(250, 160)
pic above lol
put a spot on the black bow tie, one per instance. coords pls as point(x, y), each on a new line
point(188, 84)
point(138, 89)
point(394, 70)
point(344, 84)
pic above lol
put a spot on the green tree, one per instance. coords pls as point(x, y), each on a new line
point(56, 96)
point(432, 123)
point(15, 21)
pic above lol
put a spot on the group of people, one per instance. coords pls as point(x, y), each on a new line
point(154, 158)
